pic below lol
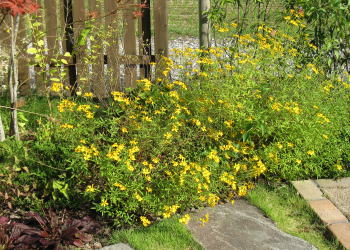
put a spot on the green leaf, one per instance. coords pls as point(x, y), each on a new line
point(32, 51)
point(64, 61)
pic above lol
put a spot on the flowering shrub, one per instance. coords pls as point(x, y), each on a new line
point(256, 108)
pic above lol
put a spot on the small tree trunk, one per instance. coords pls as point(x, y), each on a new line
point(2, 131)
point(204, 6)
point(13, 78)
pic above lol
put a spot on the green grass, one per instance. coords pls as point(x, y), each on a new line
point(167, 234)
point(292, 214)
point(183, 18)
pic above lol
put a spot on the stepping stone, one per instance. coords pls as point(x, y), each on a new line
point(241, 226)
point(119, 246)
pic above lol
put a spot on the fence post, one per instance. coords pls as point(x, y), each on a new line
point(204, 42)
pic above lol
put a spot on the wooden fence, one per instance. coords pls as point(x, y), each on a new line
point(110, 42)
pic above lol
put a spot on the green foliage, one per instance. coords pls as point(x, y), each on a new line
point(329, 22)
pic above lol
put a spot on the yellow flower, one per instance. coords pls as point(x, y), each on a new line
point(213, 200)
point(145, 221)
point(204, 219)
point(298, 161)
point(338, 167)
point(234, 25)
point(310, 152)
point(138, 197)
point(104, 203)
point(124, 130)
point(242, 190)
point(90, 189)
point(213, 156)
point(68, 126)
point(120, 186)
point(185, 219)
point(88, 94)
point(222, 30)
point(56, 87)
point(168, 135)
point(66, 105)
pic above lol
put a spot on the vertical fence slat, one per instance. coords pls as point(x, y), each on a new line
point(51, 26)
point(79, 17)
point(130, 45)
point(23, 67)
point(98, 84)
point(161, 26)
point(111, 22)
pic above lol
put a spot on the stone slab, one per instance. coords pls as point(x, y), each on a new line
point(342, 233)
point(119, 246)
point(241, 226)
point(327, 212)
point(308, 190)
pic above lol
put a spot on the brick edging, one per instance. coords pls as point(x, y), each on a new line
point(334, 219)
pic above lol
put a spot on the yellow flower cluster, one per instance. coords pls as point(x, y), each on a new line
point(185, 219)
point(213, 155)
point(66, 105)
point(88, 152)
point(56, 87)
point(120, 97)
point(170, 210)
point(145, 222)
point(120, 186)
point(87, 110)
point(67, 126)
point(115, 153)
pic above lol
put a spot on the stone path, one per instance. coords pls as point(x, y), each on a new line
point(330, 199)
point(242, 227)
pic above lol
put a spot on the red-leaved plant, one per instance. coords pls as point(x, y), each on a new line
point(18, 7)
point(45, 232)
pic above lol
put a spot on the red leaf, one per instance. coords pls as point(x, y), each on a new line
point(4, 220)
point(19, 7)
point(78, 243)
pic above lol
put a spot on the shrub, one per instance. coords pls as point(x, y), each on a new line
point(258, 107)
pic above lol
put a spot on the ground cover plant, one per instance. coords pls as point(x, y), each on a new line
point(202, 131)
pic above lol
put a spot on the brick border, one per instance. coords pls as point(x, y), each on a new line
point(336, 222)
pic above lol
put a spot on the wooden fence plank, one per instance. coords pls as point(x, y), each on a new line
point(130, 44)
point(51, 26)
point(111, 25)
point(161, 27)
point(98, 79)
point(79, 16)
